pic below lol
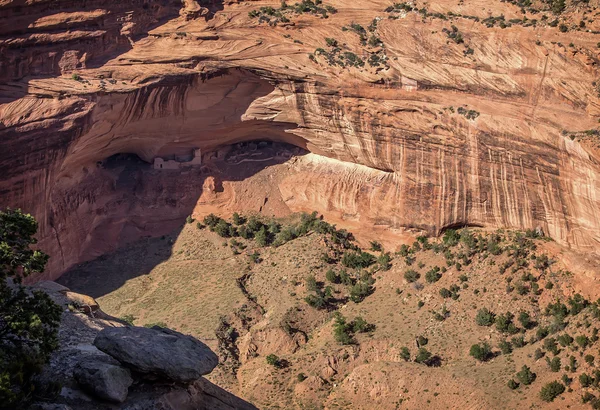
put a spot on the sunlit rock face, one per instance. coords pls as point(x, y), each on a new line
point(389, 146)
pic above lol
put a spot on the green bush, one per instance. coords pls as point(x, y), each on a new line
point(332, 277)
point(551, 391)
point(423, 356)
point(526, 376)
point(525, 320)
point(554, 364)
point(360, 291)
point(405, 353)
point(28, 320)
point(565, 340)
point(411, 275)
point(274, 361)
point(358, 260)
point(512, 384)
point(582, 340)
point(311, 283)
point(551, 345)
point(505, 347)
point(585, 380)
point(484, 317)
point(342, 331)
point(433, 275)
point(481, 352)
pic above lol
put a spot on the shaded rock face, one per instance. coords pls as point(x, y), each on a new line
point(93, 380)
point(158, 352)
point(389, 147)
point(103, 378)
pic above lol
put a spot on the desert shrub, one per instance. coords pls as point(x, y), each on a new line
point(357, 260)
point(451, 237)
point(376, 246)
point(129, 319)
point(565, 340)
point(582, 340)
point(285, 235)
point(28, 320)
point(505, 347)
point(484, 317)
point(551, 390)
point(274, 361)
point(223, 229)
point(384, 261)
point(237, 219)
point(577, 304)
point(433, 275)
point(551, 345)
point(554, 364)
point(512, 384)
point(541, 332)
point(445, 293)
point(518, 341)
point(189, 219)
point(360, 291)
point(422, 341)
point(405, 353)
point(311, 283)
point(317, 301)
point(538, 354)
point(332, 277)
point(262, 237)
point(211, 220)
point(423, 356)
point(481, 352)
point(411, 275)
point(585, 380)
point(525, 320)
point(589, 359)
point(360, 325)
point(346, 279)
point(342, 330)
point(504, 323)
point(526, 376)
point(572, 364)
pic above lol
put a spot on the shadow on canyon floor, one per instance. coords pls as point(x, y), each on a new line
point(138, 256)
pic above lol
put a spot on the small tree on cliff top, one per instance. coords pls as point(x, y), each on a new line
point(28, 321)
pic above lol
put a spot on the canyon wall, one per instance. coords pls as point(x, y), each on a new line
point(441, 134)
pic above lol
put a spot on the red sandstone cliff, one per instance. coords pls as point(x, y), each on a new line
point(390, 146)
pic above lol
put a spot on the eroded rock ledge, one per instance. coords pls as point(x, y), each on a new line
point(389, 146)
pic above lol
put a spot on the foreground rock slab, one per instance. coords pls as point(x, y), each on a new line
point(161, 352)
point(104, 378)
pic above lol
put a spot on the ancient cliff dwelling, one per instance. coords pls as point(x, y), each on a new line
point(300, 204)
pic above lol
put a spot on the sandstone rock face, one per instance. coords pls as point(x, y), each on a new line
point(103, 378)
point(158, 351)
point(389, 146)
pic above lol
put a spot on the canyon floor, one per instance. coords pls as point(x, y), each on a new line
point(248, 301)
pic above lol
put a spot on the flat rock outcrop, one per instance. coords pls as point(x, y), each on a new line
point(158, 352)
point(416, 131)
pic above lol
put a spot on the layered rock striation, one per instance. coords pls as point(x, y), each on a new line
point(429, 133)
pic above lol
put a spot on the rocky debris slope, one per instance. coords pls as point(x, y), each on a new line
point(422, 117)
point(105, 364)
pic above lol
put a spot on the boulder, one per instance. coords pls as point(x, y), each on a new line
point(103, 377)
point(158, 351)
